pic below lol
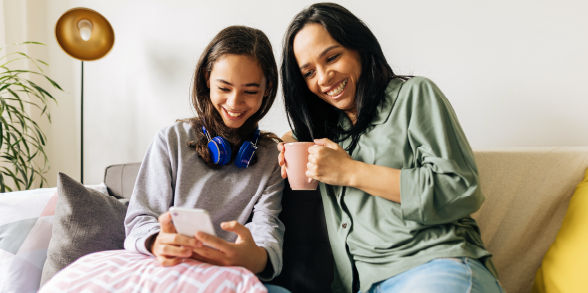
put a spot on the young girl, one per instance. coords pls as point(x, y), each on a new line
point(398, 177)
point(217, 161)
point(234, 87)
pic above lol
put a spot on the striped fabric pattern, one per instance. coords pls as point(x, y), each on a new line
point(26, 221)
point(125, 271)
point(25, 230)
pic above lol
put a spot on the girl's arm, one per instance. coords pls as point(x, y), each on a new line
point(259, 242)
point(146, 231)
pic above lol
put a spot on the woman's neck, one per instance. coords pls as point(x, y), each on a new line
point(352, 115)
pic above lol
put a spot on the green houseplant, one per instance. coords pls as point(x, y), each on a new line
point(23, 160)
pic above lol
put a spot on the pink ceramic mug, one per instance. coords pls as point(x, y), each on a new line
point(296, 157)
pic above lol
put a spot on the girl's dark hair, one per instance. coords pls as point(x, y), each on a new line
point(309, 116)
point(236, 40)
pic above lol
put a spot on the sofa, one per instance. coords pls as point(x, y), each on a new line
point(527, 194)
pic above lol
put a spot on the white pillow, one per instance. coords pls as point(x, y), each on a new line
point(26, 220)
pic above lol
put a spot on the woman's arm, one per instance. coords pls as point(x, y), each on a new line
point(442, 184)
point(330, 164)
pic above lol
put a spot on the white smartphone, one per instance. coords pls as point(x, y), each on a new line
point(188, 221)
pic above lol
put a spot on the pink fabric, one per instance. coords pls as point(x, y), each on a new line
point(49, 209)
point(125, 271)
point(21, 260)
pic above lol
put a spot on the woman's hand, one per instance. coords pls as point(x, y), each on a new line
point(281, 160)
point(244, 252)
point(287, 137)
point(169, 247)
point(329, 163)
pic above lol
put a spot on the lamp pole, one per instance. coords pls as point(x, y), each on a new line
point(82, 127)
point(85, 35)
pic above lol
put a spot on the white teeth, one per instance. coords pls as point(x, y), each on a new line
point(337, 90)
point(233, 114)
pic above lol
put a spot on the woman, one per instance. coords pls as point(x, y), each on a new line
point(398, 177)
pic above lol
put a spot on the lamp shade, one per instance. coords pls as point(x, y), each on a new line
point(84, 34)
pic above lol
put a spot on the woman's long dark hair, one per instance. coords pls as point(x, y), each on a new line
point(237, 40)
point(309, 116)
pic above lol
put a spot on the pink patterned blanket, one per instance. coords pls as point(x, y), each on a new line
point(125, 271)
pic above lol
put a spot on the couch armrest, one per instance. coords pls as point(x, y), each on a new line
point(120, 179)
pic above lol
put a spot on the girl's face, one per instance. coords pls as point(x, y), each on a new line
point(331, 71)
point(237, 86)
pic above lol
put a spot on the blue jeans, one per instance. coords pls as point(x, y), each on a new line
point(451, 275)
point(275, 289)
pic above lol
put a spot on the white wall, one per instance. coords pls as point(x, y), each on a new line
point(513, 70)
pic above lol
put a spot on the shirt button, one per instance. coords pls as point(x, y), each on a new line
point(344, 225)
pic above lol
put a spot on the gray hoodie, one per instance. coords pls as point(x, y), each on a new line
point(172, 174)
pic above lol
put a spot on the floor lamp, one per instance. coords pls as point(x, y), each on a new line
point(86, 35)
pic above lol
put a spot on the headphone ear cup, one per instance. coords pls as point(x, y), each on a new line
point(220, 151)
point(245, 154)
point(215, 152)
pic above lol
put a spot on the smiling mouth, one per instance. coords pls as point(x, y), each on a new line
point(338, 90)
point(233, 114)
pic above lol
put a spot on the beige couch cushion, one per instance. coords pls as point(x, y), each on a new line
point(527, 193)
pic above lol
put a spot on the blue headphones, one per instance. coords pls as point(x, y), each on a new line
point(220, 150)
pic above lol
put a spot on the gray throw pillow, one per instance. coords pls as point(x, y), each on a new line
point(85, 221)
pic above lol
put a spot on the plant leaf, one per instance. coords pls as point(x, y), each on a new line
point(23, 160)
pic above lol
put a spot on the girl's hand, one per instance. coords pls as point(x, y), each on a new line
point(244, 252)
point(169, 247)
point(329, 163)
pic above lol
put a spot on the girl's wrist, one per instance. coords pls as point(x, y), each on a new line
point(260, 266)
point(150, 242)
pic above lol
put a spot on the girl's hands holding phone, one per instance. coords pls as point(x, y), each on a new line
point(244, 252)
point(171, 248)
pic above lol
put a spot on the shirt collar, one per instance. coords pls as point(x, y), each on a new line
point(385, 107)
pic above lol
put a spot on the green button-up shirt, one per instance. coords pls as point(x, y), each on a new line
point(416, 131)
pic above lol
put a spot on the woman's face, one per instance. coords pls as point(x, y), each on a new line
point(331, 71)
point(237, 86)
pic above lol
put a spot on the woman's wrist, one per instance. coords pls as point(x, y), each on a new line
point(375, 180)
point(354, 171)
